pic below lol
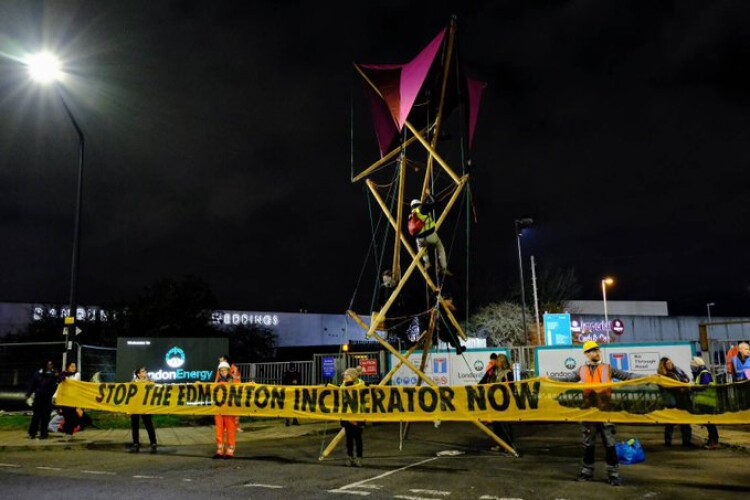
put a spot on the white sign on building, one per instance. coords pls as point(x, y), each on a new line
point(445, 368)
point(552, 361)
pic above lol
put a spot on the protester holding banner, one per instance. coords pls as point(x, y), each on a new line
point(140, 375)
point(741, 362)
point(676, 398)
point(596, 372)
point(291, 377)
point(502, 374)
point(235, 372)
point(70, 413)
point(353, 429)
point(39, 396)
point(707, 399)
point(226, 425)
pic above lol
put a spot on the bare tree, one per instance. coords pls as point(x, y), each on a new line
point(500, 323)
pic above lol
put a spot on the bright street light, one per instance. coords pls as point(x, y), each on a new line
point(520, 224)
point(606, 282)
point(44, 68)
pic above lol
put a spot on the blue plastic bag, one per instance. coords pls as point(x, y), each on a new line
point(630, 452)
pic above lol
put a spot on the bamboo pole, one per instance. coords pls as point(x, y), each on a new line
point(432, 151)
point(441, 107)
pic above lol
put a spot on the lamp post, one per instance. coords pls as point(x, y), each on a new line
point(708, 310)
point(605, 283)
point(45, 68)
point(520, 224)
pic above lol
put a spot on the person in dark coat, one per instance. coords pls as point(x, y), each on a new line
point(291, 377)
point(680, 398)
point(42, 387)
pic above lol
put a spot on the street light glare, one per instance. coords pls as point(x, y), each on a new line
point(44, 67)
point(608, 281)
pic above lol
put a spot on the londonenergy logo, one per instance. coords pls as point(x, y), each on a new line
point(175, 358)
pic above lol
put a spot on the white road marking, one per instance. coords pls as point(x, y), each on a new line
point(147, 477)
point(48, 468)
point(407, 497)
point(259, 485)
point(350, 492)
point(432, 492)
point(9, 465)
point(371, 486)
point(385, 474)
point(100, 472)
point(491, 497)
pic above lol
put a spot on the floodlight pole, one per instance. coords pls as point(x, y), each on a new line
point(70, 321)
point(520, 224)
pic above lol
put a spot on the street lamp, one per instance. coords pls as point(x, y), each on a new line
point(520, 224)
point(708, 309)
point(45, 68)
point(605, 283)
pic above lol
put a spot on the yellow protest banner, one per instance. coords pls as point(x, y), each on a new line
point(652, 400)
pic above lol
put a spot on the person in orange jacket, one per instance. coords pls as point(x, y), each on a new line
point(226, 425)
point(235, 372)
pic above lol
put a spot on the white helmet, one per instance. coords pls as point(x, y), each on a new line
point(415, 203)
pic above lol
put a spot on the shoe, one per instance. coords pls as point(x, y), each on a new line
point(228, 457)
point(217, 456)
point(153, 449)
point(712, 446)
point(67, 437)
point(349, 461)
point(358, 462)
point(43, 437)
point(239, 429)
point(614, 481)
point(584, 477)
point(294, 422)
point(32, 437)
point(135, 448)
point(445, 272)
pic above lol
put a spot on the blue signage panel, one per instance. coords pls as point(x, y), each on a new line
point(557, 329)
point(329, 368)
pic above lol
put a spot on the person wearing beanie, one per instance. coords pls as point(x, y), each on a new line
point(679, 399)
point(353, 429)
point(235, 372)
point(596, 372)
point(702, 376)
point(226, 425)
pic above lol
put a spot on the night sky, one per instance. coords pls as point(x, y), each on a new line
point(219, 138)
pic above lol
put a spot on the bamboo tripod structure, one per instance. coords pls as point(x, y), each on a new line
point(401, 239)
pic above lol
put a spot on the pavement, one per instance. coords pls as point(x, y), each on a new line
point(736, 436)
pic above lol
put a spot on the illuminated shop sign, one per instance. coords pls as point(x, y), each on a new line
point(91, 314)
point(237, 318)
point(82, 313)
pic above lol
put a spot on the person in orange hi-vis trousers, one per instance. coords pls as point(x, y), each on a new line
point(235, 372)
point(226, 425)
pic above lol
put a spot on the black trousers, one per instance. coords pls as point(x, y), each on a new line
point(42, 409)
point(353, 438)
point(147, 423)
point(70, 419)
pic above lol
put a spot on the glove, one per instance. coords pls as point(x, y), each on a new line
point(30, 400)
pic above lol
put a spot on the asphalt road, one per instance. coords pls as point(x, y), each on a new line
point(408, 469)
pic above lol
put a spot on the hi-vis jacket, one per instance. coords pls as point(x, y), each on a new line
point(601, 373)
point(429, 222)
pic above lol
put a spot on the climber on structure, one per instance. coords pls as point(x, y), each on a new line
point(422, 227)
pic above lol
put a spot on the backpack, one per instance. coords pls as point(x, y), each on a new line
point(415, 224)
